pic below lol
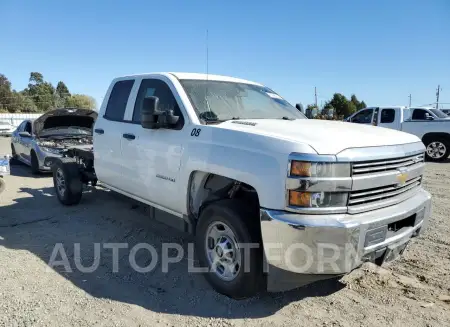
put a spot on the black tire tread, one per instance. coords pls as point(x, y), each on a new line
point(34, 163)
point(74, 186)
point(245, 225)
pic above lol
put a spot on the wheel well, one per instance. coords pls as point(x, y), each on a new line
point(205, 188)
point(432, 136)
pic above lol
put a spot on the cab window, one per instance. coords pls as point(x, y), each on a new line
point(167, 101)
point(27, 127)
point(363, 117)
point(387, 116)
point(420, 114)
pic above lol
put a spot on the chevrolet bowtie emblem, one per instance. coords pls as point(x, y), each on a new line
point(402, 177)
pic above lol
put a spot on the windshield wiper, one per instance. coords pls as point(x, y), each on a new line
point(287, 118)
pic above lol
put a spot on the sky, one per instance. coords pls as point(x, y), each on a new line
point(382, 51)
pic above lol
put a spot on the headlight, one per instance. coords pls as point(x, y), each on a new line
point(319, 169)
point(50, 150)
point(318, 184)
point(317, 199)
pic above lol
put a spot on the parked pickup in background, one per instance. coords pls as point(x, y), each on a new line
point(275, 200)
point(431, 125)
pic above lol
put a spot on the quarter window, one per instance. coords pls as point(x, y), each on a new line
point(118, 99)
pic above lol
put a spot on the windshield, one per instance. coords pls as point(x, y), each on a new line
point(438, 113)
point(220, 101)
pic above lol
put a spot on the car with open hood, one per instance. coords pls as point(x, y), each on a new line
point(37, 142)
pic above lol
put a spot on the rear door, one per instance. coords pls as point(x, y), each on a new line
point(108, 134)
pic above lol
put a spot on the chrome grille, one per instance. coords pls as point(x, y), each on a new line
point(377, 166)
point(383, 193)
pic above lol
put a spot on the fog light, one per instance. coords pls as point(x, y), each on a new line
point(300, 199)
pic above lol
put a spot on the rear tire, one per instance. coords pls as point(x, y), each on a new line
point(437, 149)
point(34, 163)
point(247, 278)
point(13, 160)
point(2, 185)
point(13, 151)
point(67, 181)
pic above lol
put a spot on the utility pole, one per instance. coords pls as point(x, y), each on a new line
point(315, 95)
point(437, 96)
point(409, 100)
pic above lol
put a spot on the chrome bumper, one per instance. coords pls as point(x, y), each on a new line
point(336, 244)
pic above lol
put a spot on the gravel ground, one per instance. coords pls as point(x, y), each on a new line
point(412, 291)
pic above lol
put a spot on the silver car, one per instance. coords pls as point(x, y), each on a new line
point(37, 142)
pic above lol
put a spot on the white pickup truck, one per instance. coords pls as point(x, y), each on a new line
point(431, 125)
point(275, 200)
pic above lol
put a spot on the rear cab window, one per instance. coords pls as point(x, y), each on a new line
point(117, 102)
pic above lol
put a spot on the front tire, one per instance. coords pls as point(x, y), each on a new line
point(437, 149)
point(67, 181)
point(223, 228)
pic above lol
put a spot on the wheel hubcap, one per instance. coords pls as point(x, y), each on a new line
point(222, 251)
point(436, 150)
point(60, 182)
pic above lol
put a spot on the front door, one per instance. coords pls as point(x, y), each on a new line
point(154, 155)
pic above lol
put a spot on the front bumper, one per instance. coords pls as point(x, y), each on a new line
point(46, 159)
point(318, 246)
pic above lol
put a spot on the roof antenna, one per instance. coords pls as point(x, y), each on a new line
point(207, 71)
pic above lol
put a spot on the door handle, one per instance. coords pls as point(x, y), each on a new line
point(99, 131)
point(128, 136)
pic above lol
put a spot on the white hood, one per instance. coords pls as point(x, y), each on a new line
point(326, 137)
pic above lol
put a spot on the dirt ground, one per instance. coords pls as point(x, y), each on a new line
point(412, 291)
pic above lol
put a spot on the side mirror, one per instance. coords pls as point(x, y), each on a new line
point(428, 117)
point(153, 118)
point(24, 134)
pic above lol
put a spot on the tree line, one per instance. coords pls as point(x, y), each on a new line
point(338, 107)
point(40, 96)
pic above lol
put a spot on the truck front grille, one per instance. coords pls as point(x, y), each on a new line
point(384, 193)
point(378, 166)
